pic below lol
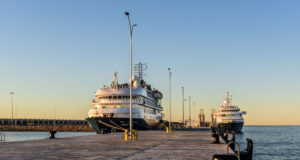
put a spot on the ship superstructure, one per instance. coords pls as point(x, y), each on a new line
point(111, 104)
point(229, 116)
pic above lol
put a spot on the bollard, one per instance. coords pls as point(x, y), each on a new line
point(169, 130)
point(126, 135)
point(225, 137)
point(52, 134)
point(213, 130)
point(233, 137)
point(136, 133)
point(247, 154)
point(101, 131)
point(133, 135)
point(216, 138)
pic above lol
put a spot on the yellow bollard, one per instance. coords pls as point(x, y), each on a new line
point(101, 131)
point(126, 135)
point(167, 130)
point(132, 135)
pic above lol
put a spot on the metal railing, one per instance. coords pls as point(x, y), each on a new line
point(238, 148)
point(117, 101)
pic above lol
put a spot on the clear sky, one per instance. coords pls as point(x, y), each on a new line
point(55, 54)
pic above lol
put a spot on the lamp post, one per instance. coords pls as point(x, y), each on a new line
point(190, 123)
point(130, 86)
point(183, 106)
point(12, 107)
point(170, 74)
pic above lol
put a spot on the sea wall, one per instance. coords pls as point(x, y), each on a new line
point(60, 128)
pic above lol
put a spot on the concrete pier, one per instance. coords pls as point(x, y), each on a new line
point(151, 145)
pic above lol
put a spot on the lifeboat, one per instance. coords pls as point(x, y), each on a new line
point(157, 94)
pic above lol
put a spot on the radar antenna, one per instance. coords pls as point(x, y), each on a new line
point(140, 69)
point(115, 82)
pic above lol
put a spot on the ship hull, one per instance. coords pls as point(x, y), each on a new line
point(236, 127)
point(106, 124)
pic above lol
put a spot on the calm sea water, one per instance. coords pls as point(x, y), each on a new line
point(22, 136)
point(272, 142)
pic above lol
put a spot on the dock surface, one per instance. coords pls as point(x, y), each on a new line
point(151, 145)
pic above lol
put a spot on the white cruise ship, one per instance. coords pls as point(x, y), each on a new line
point(229, 116)
point(111, 105)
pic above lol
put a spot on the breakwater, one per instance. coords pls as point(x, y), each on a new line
point(61, 125)
point(46, 128)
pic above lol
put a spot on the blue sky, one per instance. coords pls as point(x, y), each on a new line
point(55, 54)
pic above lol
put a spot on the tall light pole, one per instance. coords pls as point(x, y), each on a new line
point(170, 75)
point(12, 107)
point(190, 123)
point(183, 106)
point(194, 113)
point(130, 86)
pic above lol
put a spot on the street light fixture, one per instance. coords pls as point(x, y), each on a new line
point(130, 86)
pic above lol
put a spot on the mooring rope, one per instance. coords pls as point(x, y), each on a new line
point(111, 126)
point(117, 125)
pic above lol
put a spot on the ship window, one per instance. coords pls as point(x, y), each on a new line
point(104, 107)
point(119, 97)
point(109, 97)
point(114, 97)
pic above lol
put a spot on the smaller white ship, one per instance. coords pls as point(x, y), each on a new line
point(229, 116)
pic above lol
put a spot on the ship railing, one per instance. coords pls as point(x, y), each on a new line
point(121, 101)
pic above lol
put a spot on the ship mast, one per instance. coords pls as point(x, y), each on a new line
point(140, 69)
point(115, 84)
point(227, 99)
